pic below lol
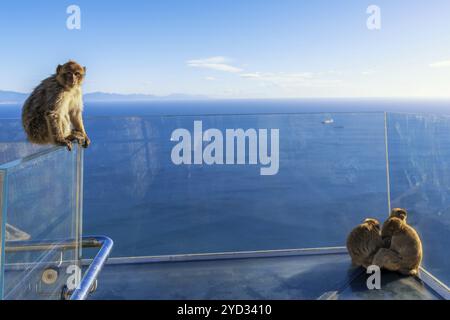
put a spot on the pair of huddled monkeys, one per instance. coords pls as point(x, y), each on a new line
point(53, 112)
point(396, 247)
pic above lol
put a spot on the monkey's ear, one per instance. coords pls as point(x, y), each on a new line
point(84, 68)
point(58, 68)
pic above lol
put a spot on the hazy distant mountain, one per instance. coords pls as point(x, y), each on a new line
point(12, 97)
point(17, 97)
point(105, 97)
point(102, 96)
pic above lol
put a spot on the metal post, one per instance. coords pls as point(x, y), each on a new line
point(3, 202)
point(388, 178)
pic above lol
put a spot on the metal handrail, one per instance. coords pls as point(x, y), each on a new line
point(94, 269)
point(104, 243)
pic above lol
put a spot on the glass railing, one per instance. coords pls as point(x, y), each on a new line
point(331, 175)
point(300, 181)
point(419, 159)
point(41, 201)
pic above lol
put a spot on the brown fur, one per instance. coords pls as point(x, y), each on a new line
point(400, 213)
point(53, 112)
point(363, 242)
point(405, 252)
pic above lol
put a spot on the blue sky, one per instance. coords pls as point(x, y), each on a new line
point(233, 49)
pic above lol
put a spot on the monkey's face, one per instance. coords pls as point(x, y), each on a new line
point(391, 227)
point(399, 213)
point(70, 75)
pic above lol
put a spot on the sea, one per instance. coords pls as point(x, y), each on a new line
point(340, 161)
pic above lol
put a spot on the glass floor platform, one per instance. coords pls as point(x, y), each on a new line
point(318, 276)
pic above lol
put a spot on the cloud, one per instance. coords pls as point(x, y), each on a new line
point(254, 75)
point(368, 72)
point(214, 63)
point(290, 80)
point(283, 80)
point(441, 64)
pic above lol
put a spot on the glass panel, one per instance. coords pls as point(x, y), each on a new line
point(419, 157)
point(332, 175)
point(13, 143)
point(41, 209)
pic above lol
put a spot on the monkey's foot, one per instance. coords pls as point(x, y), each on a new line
point(78, 138)
point(408, 272)
point(82, 139)
point(87, 142)
point(66, 143)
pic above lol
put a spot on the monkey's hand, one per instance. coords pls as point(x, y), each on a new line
point(65, 142)
point(386, 242)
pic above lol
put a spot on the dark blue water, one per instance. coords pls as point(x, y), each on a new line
point(252, 107)
point(331, 176)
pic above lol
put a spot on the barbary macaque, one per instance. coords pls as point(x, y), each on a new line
point(364, 241)
point(400, 213)
point(405, 252)
point(53, 112)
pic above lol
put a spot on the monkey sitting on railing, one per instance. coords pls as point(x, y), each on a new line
point(53, 112)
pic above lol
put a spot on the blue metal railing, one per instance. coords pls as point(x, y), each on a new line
point(94, 268)
point(88, 280)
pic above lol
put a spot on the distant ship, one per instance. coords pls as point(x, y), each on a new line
point(328, 121)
